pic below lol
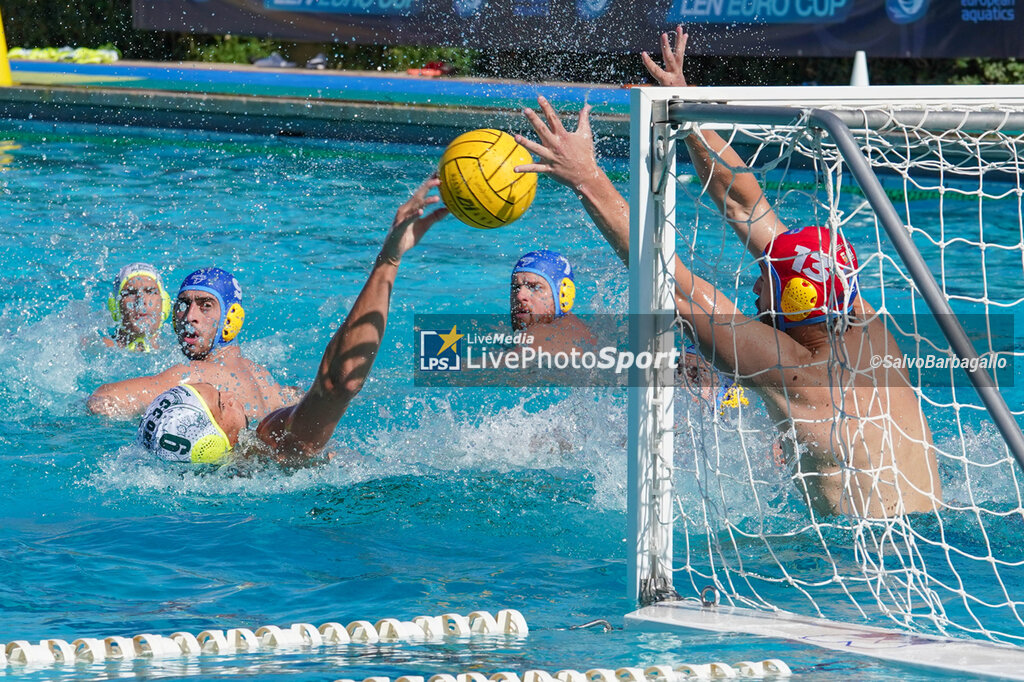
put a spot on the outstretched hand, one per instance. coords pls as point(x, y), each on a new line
point(567, 157)
point(672, 74)
point(410, 224)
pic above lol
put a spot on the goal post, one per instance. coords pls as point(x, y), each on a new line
point(935, 215)
point(650, 409)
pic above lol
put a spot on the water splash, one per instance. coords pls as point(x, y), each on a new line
point(429, 438)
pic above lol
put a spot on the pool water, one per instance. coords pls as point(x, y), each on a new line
point(437, 500)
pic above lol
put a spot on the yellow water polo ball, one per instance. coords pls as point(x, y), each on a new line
point(478, 183)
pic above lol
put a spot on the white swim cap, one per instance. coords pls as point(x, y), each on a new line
point(133, 270)
point(179, 427)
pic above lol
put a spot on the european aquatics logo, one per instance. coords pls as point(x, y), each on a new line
point(905, 11)
point(439, 350)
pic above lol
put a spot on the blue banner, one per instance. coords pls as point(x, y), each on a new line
point(384, 8)
point(760, 11)
point(755, 28)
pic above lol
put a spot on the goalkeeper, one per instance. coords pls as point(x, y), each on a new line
point(858, 441)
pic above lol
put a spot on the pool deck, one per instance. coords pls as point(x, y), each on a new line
point(295, 102)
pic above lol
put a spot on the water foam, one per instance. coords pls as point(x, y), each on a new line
point(442, 440)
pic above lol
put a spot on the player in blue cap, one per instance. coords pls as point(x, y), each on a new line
point(208, 315)
point(541, 297)
point(202, 327)
point(200, 423)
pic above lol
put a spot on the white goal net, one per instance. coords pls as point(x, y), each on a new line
point(721, 496)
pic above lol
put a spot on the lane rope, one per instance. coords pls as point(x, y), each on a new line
point(507, 622)
point(769, 668)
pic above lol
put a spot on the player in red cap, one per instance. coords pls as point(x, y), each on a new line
point(812, 280)
point(862, 444)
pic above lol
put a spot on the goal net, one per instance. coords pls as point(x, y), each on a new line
point(725, 486)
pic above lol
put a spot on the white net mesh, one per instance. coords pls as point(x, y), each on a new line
point(747, 522)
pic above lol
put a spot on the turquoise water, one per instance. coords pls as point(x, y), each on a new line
point(436, 501)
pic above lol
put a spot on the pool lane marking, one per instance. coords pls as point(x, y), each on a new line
point(391, 87)
point(30, 78)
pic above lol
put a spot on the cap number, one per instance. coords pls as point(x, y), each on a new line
point(807, 263)
point(173, 443)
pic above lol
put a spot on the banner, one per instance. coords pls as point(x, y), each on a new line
point(757, 28)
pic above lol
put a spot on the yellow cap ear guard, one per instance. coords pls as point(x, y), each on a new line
point(566, 295)
point(165, 303)
point(799, 299)
point(233, 321)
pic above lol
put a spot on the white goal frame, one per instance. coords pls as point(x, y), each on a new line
point(655, 113)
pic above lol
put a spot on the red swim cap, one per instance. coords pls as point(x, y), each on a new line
point(810, 282)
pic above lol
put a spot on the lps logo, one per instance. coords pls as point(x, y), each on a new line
point(439, 351)
point(905, 11)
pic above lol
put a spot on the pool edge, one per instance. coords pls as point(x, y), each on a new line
point(281, 116)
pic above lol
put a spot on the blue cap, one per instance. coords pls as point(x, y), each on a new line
point(555, 268)
point(225, 288)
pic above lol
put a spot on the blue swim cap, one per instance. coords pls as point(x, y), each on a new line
point(222, 285)
point(555, 268)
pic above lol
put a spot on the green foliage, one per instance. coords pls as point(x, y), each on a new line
point(975, 71)
point(230, 49)
point(397, 58)
point(706, 70)
point(400, 58)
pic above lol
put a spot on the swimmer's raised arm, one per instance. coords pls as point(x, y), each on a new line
point(569, 159)
point(729, 182)
point(736, 342)
point(299, 431)
point(129, 398)
point(671, 76)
